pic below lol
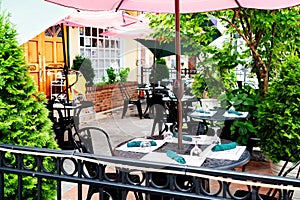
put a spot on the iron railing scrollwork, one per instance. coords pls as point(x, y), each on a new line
point(114, 176)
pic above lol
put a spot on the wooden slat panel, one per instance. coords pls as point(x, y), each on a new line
point(49, 54)
point(33, 52)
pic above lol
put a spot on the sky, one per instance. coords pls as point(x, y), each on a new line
point(31, 17)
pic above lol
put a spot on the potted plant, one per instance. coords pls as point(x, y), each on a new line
point(278, 114)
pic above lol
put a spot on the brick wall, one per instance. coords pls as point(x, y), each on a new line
point(109, 96)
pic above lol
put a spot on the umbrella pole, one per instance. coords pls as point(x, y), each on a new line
point(178, 83)
point(66, 60)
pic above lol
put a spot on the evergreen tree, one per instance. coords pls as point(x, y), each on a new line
point(24, 117)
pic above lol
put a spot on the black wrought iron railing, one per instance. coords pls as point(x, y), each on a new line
point(116, 177)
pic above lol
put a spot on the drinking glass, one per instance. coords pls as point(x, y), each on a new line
point(195, 151)
point(216, 139)
point(168, 135)
point(145, 144)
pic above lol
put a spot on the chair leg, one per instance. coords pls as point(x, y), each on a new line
point(139, 108)
point(125, 107)
point(155, 121)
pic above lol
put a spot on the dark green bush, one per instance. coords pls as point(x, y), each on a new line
point(84, 65)
point(278, 116)
point(23, 115)
point(159, 71)
point(246, 99)
point(112, 76)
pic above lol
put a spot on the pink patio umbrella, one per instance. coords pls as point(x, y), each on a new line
point(176, 7)
point(100, 19)
point(135, 30)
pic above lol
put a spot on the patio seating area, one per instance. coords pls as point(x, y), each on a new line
point(121, 129)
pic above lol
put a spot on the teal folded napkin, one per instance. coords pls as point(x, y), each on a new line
point(138, 143)
point(202, 111)
point(176, 157)
point(223, 147)
point(234, 112)
point(184, 137)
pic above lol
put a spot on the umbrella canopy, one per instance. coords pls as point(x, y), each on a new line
point(167, 6)
point(135, 30)
point(101, 19)
point(177, 7)
point(161, 48)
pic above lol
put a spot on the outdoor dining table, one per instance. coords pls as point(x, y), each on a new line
point(65, 119)
point(228, 116)
point(228, 159)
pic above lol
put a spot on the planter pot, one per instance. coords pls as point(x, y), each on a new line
point(276, 167)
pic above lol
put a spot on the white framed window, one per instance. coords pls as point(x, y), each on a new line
point(103, 51)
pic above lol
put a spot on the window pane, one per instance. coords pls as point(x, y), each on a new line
point(87, 42)
point(81, 41)
point(87, 31)
point(103, 51)
point(94, 32)
point(94, 42)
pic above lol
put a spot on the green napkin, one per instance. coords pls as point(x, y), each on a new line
point(176, 157)
point(223, 147)
point(234, 112)
point(184, 137)
point(202, 111)
point(138, 143)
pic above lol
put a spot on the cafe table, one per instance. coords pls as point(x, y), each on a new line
point(227, 159)
point(65, 119)
point(227, 116)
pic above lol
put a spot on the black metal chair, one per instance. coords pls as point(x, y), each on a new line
point(86, 136)
point(128, 100)
point(164, 112)
point(272, 194)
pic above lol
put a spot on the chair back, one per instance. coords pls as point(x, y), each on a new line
point(124, 91)
point(92, 136)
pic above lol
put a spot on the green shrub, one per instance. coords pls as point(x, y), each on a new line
point(112, 76)
point(23, 115)
point(123, 74)
point(278, 116)
point(159, 71)
point(84, 65)
point(246, 99)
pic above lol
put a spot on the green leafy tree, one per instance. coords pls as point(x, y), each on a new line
point(84, 65)
point(23, 115)
point(267, 34)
